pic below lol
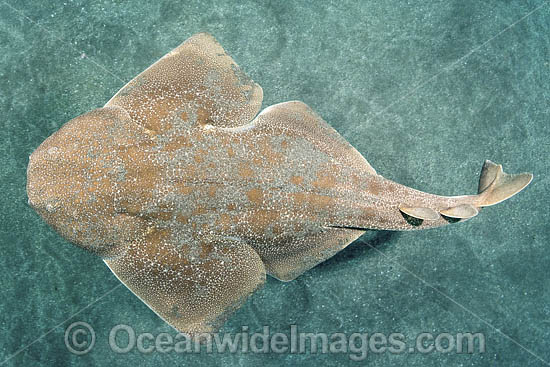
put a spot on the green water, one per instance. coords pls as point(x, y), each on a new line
point(426, 90)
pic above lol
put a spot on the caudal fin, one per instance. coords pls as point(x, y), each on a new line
point(496, 186)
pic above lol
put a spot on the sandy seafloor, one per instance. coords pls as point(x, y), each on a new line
point(426, 90)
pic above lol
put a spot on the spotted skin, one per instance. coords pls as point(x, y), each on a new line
point(190, 198)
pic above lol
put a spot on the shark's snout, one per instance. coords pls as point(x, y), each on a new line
point(44, 181)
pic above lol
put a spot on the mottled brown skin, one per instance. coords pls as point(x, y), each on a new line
point(190, 200)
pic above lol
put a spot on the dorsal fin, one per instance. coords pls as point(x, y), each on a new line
point(462, 211)
point(419, 212)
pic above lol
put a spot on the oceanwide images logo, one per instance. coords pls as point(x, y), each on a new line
point(80, 339)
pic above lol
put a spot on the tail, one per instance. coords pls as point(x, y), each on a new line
point(496, 186)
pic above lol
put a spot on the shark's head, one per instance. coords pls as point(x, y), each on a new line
point(72, 177)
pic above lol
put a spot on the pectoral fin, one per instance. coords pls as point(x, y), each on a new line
point(195, 287)
point(196, 84)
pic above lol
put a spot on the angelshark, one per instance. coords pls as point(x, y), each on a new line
point(191, 197)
